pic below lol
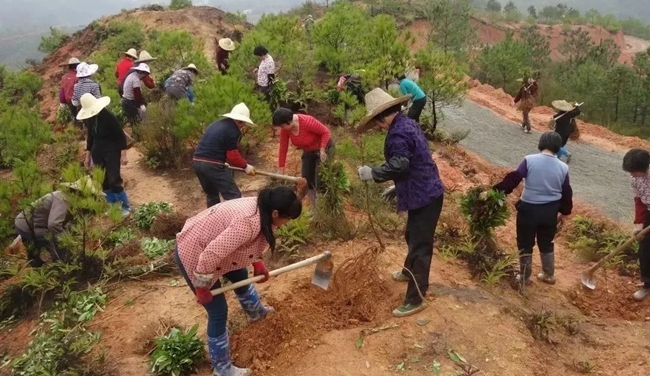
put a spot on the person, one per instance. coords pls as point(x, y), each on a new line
point(352, 83)
point(68, 81)
point(407, 86)
point(222, 55)
point(218, 149)
point(85, 83)
point(222, 241)
point(636, 163)
point(420, 191)
point(144, 57)
point(265, 71)
point(45, 220)
point(179, 84)
point(526, 99)
point(106, 144)
point(544, 204)
point(124, 66)
point(565, 123)
point(134, 105)
point(307, 134)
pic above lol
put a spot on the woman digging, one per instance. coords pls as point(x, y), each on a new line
point(418, 186)
point(636, 162)
point(309, 135)
point(546, 200)
point(222, 241)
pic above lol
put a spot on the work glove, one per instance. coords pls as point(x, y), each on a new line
point(203, 296)
point(260, 269)
point(249, 170)
point(365, 173)
point(62, 105)
point(202, 284)
point(143, 108)
point(389, 193)
point(638, 227)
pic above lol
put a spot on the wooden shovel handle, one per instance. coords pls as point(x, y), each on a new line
point(620, 249)
point(269, 174)
point(273, 273)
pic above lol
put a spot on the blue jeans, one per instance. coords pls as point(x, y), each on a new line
point(217, 308)
point(563, 152)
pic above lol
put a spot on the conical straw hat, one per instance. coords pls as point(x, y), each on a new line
point(562, 105)
point(144, 57)
point(91, 106)
point(132, 53)
point(377, 101)
point(227, 44)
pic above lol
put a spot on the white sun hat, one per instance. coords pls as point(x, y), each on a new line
point(132, 53)
point(240, 112)
point(377, 101)
point(226, 44)
point(142, 67)
point(85, 70)
point(192, 67)
point(83, 184)
point(91, 106)
point(145, 57)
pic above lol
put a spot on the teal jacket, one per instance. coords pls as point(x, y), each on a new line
point(407, 86)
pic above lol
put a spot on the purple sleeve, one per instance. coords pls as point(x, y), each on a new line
point(566, 202)
point(61, 96)
point(512, 179)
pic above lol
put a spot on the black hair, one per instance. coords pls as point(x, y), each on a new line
point(282, 199)
point(401, 77)
point(550, 140)
point(282, 116)
point(260, 51)
point(73, 66)
point(636, 160)
point(389, 111)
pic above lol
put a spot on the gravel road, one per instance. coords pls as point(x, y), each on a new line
point(596, 175)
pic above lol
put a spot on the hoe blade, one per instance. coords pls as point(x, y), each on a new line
point(323, 273)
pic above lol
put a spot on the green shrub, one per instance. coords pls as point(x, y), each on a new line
point(483, 215)
point(21, 134)
point(162, 147)
point(52, 42)
point(145, 214)
point(293, 235)
point(177, 353)
point(180, 4)
point(155, 248)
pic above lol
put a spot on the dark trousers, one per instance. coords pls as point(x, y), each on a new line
point(310, 161)
point(130, 109)
point(217, 308)
point(536, 222)
point(420, 230)
point(74, 111)
point(416, 109)
point(35, 244)
point(110, 160)
point(216, 179)
point(644, 254)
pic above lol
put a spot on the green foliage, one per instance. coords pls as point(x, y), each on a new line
point(483, 215)
point(120, 237)
point(330, 220)
point(180, 4)
point(177, 353)
point(502, 63)
point(175, 49)
point(122, 35)
point(52, 42)
point(493, 6)
point(451, 30)
point(20, 88)
point(163, 147)
point(294, 235)
point(373, 144)
point(155, 248)
point(144, 215)
point(22, 133)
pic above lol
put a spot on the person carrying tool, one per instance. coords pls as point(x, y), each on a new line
point(526, 99)
point(46, 219)
point(352, 83)
point(419, 189)
point(124, 66)
point(544, 204)
point(224, 47)
point(218, 148)
point(85, 84)
point(133, 103)
point(309, 135)
point(565, 123)
point(636, 162)
point(106, 144)
point(179, 85)
point(407, 86)
point(265, 71)
point(67, 87)
point(222, 241)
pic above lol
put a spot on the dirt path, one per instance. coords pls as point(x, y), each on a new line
point(596, 175)
point(636, 45)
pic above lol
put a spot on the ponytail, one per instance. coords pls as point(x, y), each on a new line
point(282, 199)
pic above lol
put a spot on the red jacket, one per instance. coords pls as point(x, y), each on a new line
point(67, 86)
point(122, 70)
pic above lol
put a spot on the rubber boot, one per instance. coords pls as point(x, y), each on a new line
point(123, 198)
point(252, 305)
point(219, 350)
point(525, 268)
point(548, 268)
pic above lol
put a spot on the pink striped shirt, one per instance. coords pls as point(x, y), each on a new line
point(222, 238)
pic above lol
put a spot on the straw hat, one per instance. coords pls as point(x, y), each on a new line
point(91, 106)
point(132, 53)
point(85, 70)
point(191, 67)
point(72, 61)
point(240, 112)
point(378, 101)
point(226, 44)
point(144, 57)
point(142, 67)
point(562, 105)
point(85, 183)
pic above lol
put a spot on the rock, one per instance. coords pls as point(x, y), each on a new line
point(257, 364)
point(422, 322)
point(293, 342)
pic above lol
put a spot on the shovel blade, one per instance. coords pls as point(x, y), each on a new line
point(588, 281)
point(323, 273)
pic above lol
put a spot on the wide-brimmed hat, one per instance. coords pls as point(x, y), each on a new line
point(142, 67)
point(191, 67)
point(132, 53)
point(91, 106)
point(562, 105)
point(72, 61)
point(226, 44)
point(84, 69)
point(144, 57)
point(377, 101)
point(83, 184)
point(240, 112)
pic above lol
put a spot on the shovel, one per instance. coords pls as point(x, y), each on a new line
point(321, 277)
point(587, 277)
point(269, 174)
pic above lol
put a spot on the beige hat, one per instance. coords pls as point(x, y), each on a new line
point(142, 67)
point(562, 105)
point(91, 106)
point(226, 44)
point(86, 70)
point(377, 101)
point(192, 67)
point(144, 57)
point(132, 53)
point(240, 112)
point(85, 183)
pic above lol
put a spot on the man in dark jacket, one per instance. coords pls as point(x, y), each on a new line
point(565, 123)
point(526, 99)
point(218, 148)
